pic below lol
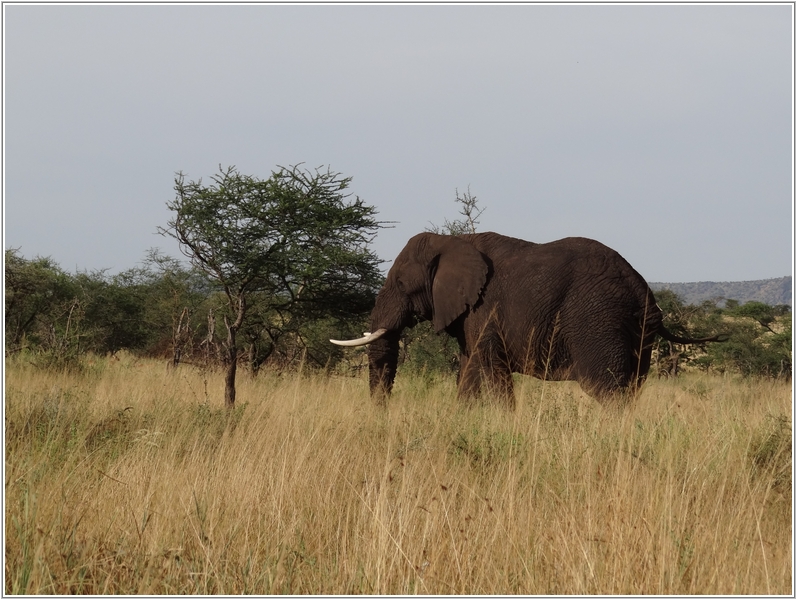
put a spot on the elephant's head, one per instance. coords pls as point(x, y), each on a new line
point(435, 278)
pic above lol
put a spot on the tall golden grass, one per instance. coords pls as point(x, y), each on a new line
point(129, 478)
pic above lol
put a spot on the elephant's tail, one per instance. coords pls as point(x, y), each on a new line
point(671, 337)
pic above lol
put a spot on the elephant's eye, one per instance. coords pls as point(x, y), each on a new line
point(401, 286)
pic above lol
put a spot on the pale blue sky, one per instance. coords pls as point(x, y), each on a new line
point(664, 131)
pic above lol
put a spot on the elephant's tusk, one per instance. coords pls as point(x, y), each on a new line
point(366, 339)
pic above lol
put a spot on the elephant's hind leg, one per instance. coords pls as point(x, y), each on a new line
point(502, 388)
point(606, 371)
point(621, 380)
point(484, 374)
point(469, 380)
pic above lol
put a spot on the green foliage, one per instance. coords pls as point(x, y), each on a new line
point(294, 236)
point(176, 303)
point(44, 311)
point(58, 317)
point(423, 352)
point(115, 307)
point(759, 337)
point(752, 350)
point(37, 293)
point(290, 253)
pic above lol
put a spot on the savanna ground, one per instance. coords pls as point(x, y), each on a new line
point(129, 478)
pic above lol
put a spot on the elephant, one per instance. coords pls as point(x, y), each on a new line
point(571, 309)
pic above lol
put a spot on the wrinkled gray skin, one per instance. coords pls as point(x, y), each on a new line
point(572, 309)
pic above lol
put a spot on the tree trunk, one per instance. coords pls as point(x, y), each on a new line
point(232, 351)
point(232, 365)
point(179, 337)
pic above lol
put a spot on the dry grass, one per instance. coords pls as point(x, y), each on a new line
point(129, 479)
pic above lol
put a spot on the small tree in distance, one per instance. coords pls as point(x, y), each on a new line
point(294, 239)
point(424, 350)
point(469, 209)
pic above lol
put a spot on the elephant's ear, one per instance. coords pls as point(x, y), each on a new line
point(458, 282)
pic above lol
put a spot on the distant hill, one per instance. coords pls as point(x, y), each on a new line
point(768, 291)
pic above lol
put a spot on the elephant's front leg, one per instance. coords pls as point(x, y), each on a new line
point(383, 360)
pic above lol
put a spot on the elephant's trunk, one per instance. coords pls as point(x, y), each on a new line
point(383, 360)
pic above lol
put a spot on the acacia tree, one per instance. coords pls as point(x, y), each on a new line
point(295, 240)
point(470, 211)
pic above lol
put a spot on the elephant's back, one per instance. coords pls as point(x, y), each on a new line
point(498, 246)
point(570, 270)
point(577, 274)
point(586, 258)
point(578, 253)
